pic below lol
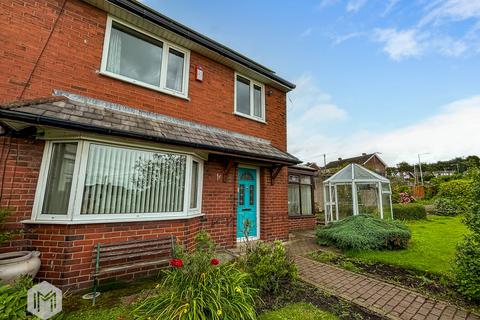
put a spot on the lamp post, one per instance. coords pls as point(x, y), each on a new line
point(420, 165)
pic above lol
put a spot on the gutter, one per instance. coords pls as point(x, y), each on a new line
point(171, 25)
point(41, 120)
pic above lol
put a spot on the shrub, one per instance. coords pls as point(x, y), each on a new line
point(364, 232)
point(467, 259)
point(269, 266)
point(406, 198)
point(198, 287)
point(13, 299)
point(445, 207)
point(397, 189)
point(458, 192)
point(409, 211)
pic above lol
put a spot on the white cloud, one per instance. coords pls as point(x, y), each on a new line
point(340, 39)
point(452, 132)
point(427, 35)
point(306, 32)
point(355, 5)
point(310, 111)
point(399, 44)
point(326, 3)
point(390, 5)
point(453, 10)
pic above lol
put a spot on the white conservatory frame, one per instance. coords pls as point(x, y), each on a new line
point(354, 174)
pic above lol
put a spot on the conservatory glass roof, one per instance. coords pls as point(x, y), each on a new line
point(355, 172)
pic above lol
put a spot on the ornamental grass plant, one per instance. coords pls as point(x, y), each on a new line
point(199, 286)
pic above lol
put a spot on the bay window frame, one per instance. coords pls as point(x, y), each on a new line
point(166, 46)
point(253, 83)
point(74, 215)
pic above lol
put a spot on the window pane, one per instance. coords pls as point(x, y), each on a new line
point(305, 180)
point(134, 56)
point(306, 193)
point(243, 95)
point(194, 185)
point(293, 199)
point(257, 101)
point(120, 180)
point(293, 178)
point(175, 70)
point(59, 180)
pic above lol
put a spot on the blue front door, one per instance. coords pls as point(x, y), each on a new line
point(247, 203)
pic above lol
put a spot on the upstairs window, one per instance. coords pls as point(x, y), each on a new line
point(249, 98)
point(143, 59)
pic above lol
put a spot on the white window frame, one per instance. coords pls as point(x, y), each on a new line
point(252, 95)
point(78, 183)
point(162, 86)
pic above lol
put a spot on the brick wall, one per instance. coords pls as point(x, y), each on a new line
point(70, 62)
point(302, 223)
point(72, 58)
point(66, 250)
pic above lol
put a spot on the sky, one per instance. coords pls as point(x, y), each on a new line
point(398, 77)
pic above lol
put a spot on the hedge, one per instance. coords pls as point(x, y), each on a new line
point(364, 232)
point(410, 211)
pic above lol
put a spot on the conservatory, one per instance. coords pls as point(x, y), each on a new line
point(356, 190)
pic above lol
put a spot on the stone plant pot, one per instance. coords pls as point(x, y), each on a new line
point(14, 264)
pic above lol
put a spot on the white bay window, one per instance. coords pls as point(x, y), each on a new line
point(89, 181)
point(135, 56)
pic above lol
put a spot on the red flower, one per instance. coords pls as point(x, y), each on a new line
point(215, 262)
point(177, 263)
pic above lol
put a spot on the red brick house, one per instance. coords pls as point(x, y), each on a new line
point(118, 123)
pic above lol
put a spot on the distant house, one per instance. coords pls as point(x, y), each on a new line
point(369, 160)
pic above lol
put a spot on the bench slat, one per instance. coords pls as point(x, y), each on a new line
point(130, 266)
point(124, 250)
point(116, 244)
point(133, 255)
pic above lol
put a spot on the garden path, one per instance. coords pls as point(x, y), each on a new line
point(384, 298)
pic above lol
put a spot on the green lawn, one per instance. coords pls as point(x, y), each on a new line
point(298, 311)
point(432, 247)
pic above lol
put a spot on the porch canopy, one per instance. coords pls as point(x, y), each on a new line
point(356, 190)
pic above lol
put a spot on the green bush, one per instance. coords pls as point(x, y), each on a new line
point(467, 259)
point(409, 211)
point(197, 287)
point(13, 299)
point(458, 192)
point(397, 189)
point(445, 207)
point(364, 232)
point(269, 266)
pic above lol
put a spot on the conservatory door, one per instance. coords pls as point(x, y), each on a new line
point(344, 198)
point(368, 199)
point(247, 209)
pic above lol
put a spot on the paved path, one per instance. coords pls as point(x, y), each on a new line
point(384, 298)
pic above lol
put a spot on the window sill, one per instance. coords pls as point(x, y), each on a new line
point(144, 85)
point(249, 117)
point(122, 220)
point(298, 216)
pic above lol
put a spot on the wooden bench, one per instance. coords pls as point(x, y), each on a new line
point(119, 256)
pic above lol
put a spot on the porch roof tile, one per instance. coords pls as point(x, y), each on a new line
point(82, 113)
